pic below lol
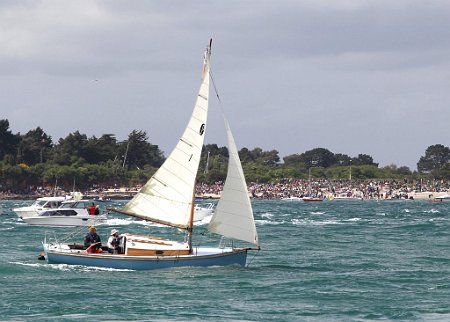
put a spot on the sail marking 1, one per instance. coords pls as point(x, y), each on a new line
point(186, 142)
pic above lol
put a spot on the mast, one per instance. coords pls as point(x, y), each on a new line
point(191, 215)
point(207, 163)
point(309, 182)
point(56, 186)
point(191, 222)
point(126, 153)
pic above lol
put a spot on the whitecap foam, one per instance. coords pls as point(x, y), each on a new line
point(304, 222)
point(126, 222)
point(267, 215)
point(6, 228)
point(269, 222)
point(119, 221)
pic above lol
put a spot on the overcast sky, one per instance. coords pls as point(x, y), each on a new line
point(350, 76)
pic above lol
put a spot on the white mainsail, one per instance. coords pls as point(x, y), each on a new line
point(167, 197)
point(233, 216)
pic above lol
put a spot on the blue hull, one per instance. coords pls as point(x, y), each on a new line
point(147, 263)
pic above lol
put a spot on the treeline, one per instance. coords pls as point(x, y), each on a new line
point(265, 166)
point(33, 159)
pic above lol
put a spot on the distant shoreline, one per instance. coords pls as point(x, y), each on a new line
point(15, 196)
point(424, 195)
point(291, 189)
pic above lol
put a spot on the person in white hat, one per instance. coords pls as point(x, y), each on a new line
point(114, 242)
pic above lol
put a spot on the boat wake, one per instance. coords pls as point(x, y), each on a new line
point(4, 228)
point(26, 264)
point(81, 268)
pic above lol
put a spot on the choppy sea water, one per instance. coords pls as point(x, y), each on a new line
point(327, 261)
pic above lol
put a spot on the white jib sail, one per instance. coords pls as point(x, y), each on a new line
point(233, 216)
point(167, 196)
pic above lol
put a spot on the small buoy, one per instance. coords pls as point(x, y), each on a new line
point(41, 257)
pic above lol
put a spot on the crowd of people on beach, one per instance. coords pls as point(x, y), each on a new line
point(369, 189)
point(285, 188)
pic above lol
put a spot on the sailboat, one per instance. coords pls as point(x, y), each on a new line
point(168, 199)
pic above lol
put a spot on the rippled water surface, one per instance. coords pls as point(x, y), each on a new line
point(327, 261)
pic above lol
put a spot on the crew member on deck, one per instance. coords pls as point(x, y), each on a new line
point(91, 209)
point(92, 241)
point(114, 242)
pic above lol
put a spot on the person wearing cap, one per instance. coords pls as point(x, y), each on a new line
point(92, 241)
point(114, 242)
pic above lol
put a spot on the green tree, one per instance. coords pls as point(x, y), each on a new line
point(70, 149)
point(363, 159)
point(318, 157)
point(8, 141)
point(295, 161)
point(393, 169)
point(213, 149)
point(435, 159)
point(35, 147)
point(100, 150)
point(343, 159)
point(259, 156)
point(215, 170)
point(138, 152)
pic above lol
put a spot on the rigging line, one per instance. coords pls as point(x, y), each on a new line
point(76, 232)
point(214, 86)
point(251, 260)
point(217, 95)
point(227, 125)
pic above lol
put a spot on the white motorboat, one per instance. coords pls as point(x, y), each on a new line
point(292, 198)
point(314, 199)
point(39, 206)
point(71, 213)
point(203, 210)
point(444, 197)
point(345, 197)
